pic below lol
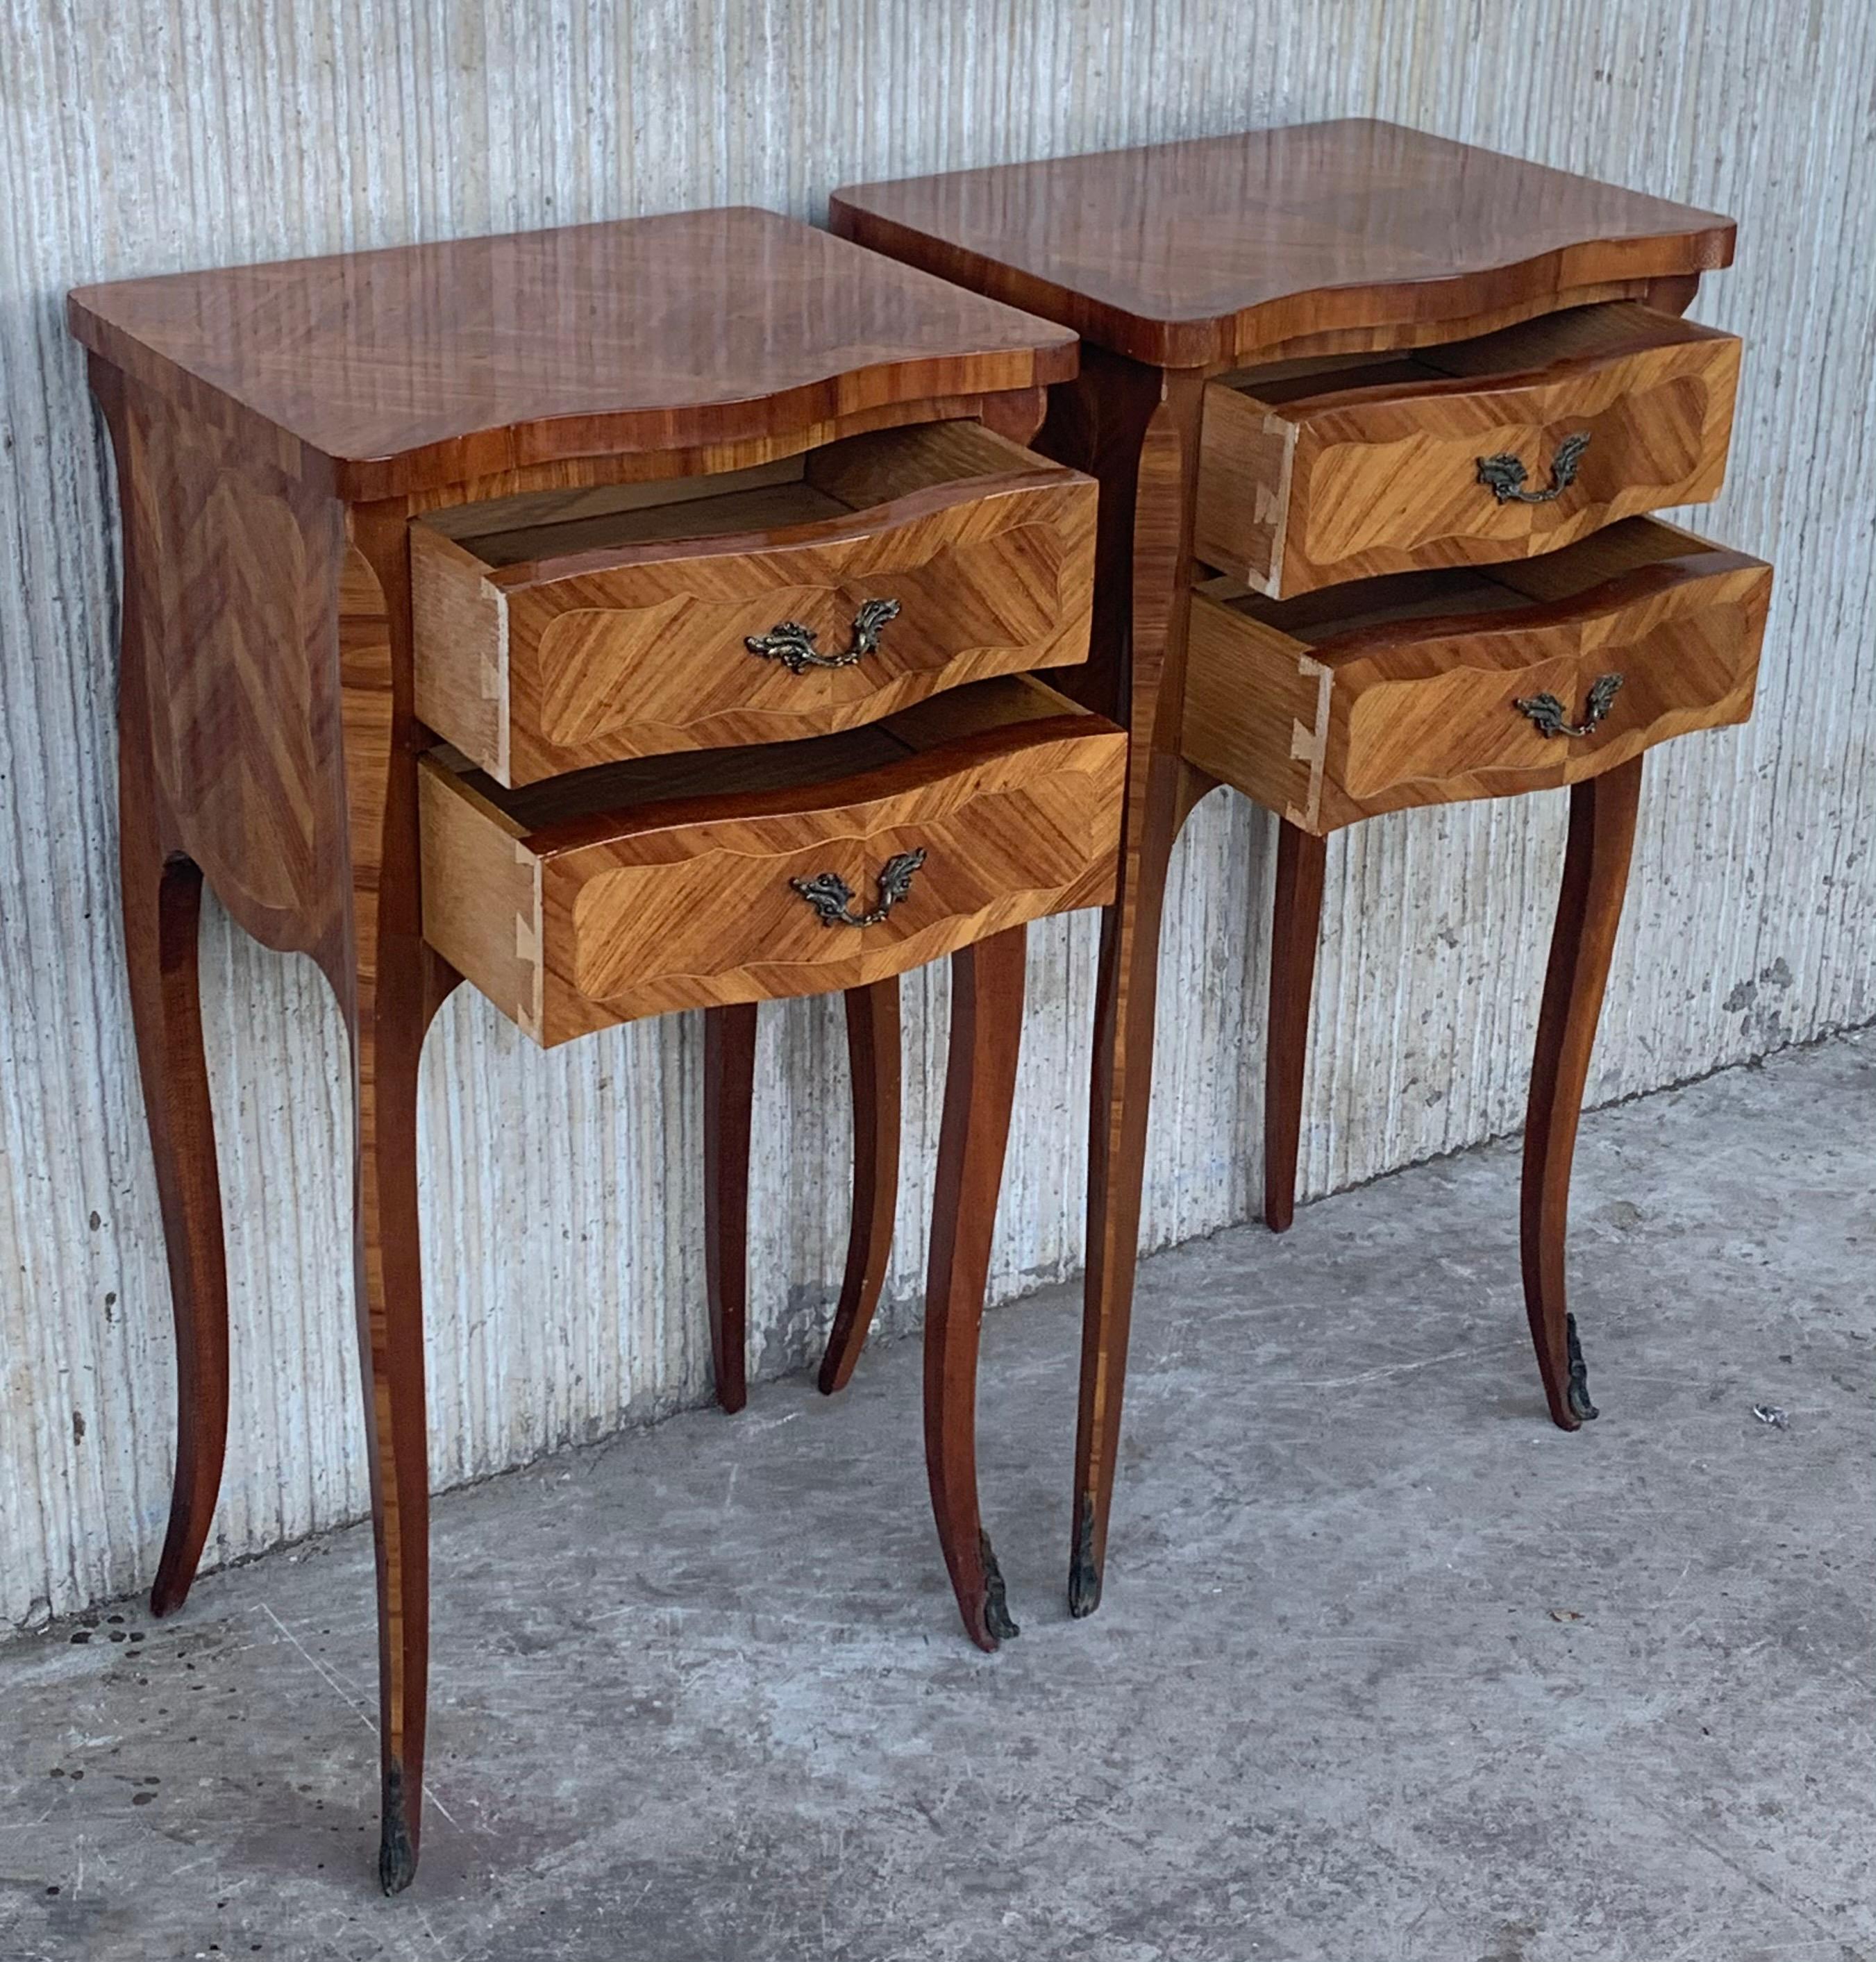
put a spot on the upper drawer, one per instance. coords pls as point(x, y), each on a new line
point(1498, 448)
point(1427, 688)
point(689, 881)
point(566, 628)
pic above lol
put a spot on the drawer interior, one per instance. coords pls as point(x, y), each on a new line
point(1607, 330)
point(553, 813)
point(853, 475)
point(1553, 578)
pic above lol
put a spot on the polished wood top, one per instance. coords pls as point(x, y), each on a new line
point(392, 371)
point(1197, 254)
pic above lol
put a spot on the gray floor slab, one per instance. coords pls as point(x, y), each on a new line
point(1388, 1668)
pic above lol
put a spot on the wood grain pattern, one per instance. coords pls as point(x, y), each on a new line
point(372, 374)
point(1189, 261)
point(1375, 469)
point(161, 890)
point(1142, 437)
point(617, 640)
point(234, 574)
point(282, 742)
point(987, 1028)
point(1416, 680)
point(1198, 254)
point(270, 742)
point(1589, 910)
point(389, 985)
point(640, 904)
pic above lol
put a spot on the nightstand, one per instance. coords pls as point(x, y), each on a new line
point(629, 618)
point(1377, 418)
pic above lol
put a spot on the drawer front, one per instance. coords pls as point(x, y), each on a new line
point(682, 909)
point(788, 630)
point(1618, 411)
point(1435, 709)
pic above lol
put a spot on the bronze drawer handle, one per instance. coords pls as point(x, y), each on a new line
point(793, 644)
point(831, 897)
point(1547, 712)
point(1503, 474)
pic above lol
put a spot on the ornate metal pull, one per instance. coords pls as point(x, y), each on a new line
point(1503, 474)
point(831, 897)
point(793, 644)
point(1549, 713)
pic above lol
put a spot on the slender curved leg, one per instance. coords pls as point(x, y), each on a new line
point(1146, 521)
point(729, 1090)
point(1589, 908)
point(389, 986)
point(385, 1048)
point(161, 917)
point(1127, 991)
point(162, 911)
point(873, 1059)
point(980, 1085)
point(1297, 927)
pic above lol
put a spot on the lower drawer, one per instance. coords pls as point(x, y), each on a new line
point(797, 868)
point(1428, 687)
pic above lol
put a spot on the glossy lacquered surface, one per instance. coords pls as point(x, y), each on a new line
point(277, 431)
point(552, 635)
point(391, 371)
point(1373, 464)
point(1389, 692)
point(1183, 265)
point(1187, 254)
point(675, 882)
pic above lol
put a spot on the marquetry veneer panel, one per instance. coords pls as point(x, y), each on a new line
point(1405, 690)
point(665, 883)
point(1315, 471)
point(562, 629)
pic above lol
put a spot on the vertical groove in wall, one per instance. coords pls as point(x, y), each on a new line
point(561, 1192)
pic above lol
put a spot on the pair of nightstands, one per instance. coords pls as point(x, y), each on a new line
point(647, 616)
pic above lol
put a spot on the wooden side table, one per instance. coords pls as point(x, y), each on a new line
point(1376, 417)
point(627, 618)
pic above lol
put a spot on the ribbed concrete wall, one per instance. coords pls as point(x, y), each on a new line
point(566, 1275)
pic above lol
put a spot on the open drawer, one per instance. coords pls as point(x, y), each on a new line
point(1428, 687)
point(1496, 448)
point(691, 881)
point(561, 629)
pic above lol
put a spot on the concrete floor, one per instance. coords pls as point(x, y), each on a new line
point(1388, 1668)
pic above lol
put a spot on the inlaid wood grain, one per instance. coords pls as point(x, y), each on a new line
point(1196, 254)
point(276, 429)
point(1139, 431)
point(236, 612)
point(639, 898)
point(629, 636)
point(374, 374)
point(161, 890)
point(389, 986)
point(1345, 473)
point(1189, 261)
point(1328, 712)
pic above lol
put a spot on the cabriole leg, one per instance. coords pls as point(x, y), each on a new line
point(979, 1086)
point(1589, 909)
